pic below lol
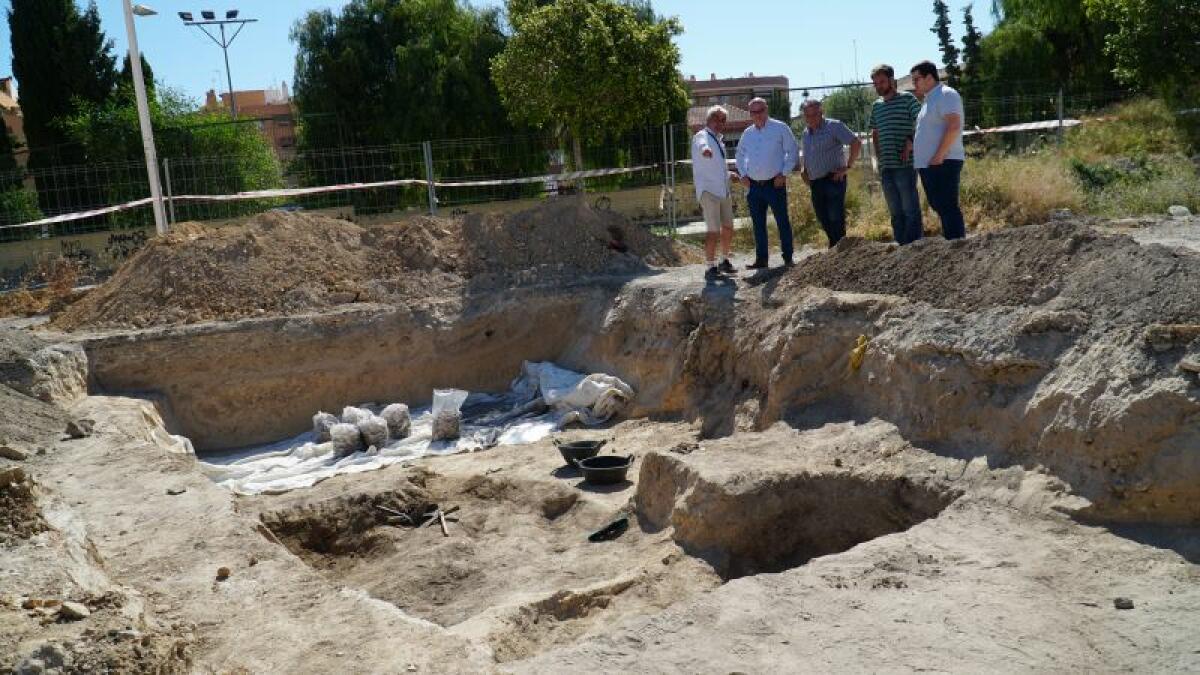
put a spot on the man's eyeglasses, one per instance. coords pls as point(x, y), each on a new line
point(758, 112)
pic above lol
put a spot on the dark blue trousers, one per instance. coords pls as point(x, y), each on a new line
point(829, 203)
point(900, 191)
point(941, 189)
point(762, 195)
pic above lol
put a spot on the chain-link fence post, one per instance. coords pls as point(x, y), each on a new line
point(427, 147)
point(1060, 115)
point(170, 192)
point(666, 174)
point(674, 197)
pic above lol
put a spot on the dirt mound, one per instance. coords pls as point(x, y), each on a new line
point(293, 262)
point(1066, 266)
point(20, 515)
point(565, 233)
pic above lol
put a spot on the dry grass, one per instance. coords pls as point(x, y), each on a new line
point(49, 286)
point(1015, 191)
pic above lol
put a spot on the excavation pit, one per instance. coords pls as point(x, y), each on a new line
point(773, 501)
point(516, 570)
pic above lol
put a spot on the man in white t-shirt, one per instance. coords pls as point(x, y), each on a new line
point(938, 152)
point(711, 175)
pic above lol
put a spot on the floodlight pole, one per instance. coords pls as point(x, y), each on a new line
point(143, 109)
point(224, 43)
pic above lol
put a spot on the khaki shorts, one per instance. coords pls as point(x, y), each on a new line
point(717, 211)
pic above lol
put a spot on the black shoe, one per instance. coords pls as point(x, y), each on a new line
point(726, 266)
point(712, 272)
point(787, 262)
point(757, 265)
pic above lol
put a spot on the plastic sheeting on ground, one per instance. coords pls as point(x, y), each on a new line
point(542, 399)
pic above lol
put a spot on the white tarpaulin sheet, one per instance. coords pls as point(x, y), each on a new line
point(544, 398)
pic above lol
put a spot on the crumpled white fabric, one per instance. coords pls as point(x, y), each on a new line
point(592, 399)
point(542, 399)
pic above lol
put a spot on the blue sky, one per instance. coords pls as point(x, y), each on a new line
point(809, 42)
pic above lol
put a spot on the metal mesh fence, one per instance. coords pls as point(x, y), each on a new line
point(644, 175)
point(499, 174)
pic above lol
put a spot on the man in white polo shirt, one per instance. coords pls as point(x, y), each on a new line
point(938, 151)
point(711, 175)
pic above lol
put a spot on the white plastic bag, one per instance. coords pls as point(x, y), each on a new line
point(374, 432)
point(398, 419)
point(447, 413)
point(352, 415)
point(322, 423)
point(346, 439)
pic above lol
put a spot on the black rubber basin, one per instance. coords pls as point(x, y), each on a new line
point(605, 469)
point(574, 451)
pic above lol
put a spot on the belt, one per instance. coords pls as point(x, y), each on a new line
point(769, 181)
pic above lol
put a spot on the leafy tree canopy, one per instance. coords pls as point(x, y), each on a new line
point(59, 55)
point(1153, 44)
point(395, 71)
point(598, 67)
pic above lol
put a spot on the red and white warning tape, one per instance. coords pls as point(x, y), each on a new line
point(297, 192)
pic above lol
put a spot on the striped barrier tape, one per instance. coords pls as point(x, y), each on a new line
point(296, 192)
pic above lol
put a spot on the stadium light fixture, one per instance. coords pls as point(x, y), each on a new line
point(210, 19)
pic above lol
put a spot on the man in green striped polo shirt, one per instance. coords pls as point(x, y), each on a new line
point(893, 122)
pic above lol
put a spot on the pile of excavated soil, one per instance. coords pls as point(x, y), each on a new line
point(20, 515)
point(1066, 266)
point(293, 262)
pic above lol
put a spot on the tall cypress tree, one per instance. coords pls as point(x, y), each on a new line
point(58, 54)
point(972, 51)
point(941, 28)
point(126, 79)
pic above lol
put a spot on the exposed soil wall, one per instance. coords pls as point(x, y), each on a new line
point(254, 381)
point(1093, 387)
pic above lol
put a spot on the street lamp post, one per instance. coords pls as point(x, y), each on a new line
point(209, 18)
point(143, 108)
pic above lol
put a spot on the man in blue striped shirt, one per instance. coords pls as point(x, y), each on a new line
point(826, 166)
point(766, 154)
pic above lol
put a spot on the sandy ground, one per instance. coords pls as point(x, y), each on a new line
point(772, 546)
point(1001, 579)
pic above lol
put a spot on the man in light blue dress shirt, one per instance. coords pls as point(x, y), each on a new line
point(766, 154)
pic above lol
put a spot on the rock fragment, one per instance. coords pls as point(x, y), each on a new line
point(13, 452)
point(74, 611)
point(81, 428)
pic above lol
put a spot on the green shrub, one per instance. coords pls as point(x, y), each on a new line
point(18, 206)
point(1135, 128)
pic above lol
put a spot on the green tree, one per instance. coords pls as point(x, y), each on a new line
point(1075, 35)
point(941, 28)
point(1153, 45)
point(779, 105)
point(125, 80)
point(972, 53)
point(211, 153)
point(59, 55)
point(9, 170)
point(595, 67)
point(851, 105)
point(1013, 64)
point(17, 205)
point(397, 71)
